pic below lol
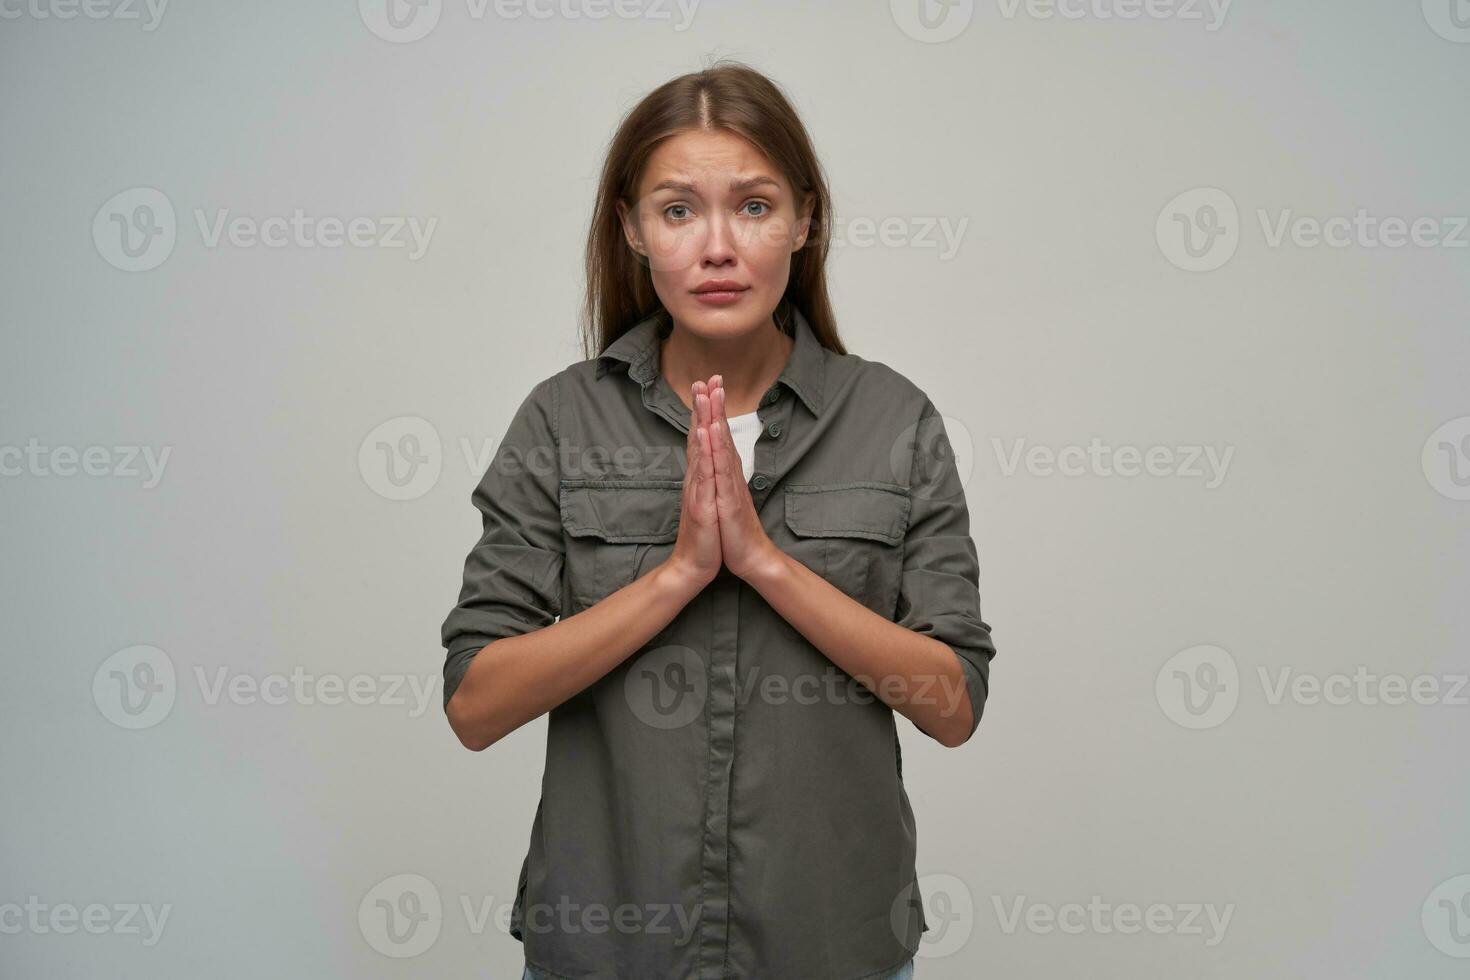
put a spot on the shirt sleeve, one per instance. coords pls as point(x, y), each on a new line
point(939, 594)
point(512, 576)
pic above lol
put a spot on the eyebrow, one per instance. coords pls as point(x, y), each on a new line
point(739, 184)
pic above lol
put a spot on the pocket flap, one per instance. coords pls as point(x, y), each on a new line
point(622, 511)
point(865, 509)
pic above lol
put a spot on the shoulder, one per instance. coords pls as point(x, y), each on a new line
point(876, 381)
point(578, 374)
point(581, 385)
point(540, 406)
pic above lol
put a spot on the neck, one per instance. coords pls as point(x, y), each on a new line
point(748, 364)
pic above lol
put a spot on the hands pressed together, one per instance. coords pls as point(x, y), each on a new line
point(718, 523)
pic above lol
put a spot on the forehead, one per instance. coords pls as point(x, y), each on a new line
point(710, 161)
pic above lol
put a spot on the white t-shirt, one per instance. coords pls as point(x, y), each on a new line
point(745, 430)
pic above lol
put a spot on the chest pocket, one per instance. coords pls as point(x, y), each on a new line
point(615, 530)
point(852, 535)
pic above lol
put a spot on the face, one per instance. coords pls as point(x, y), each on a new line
point(717, 223)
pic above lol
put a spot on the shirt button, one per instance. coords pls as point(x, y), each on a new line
point(760, 483)
point(774, 429)
point(772, 395)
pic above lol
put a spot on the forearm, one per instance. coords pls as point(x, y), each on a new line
point(519, 678)
point(916, 675)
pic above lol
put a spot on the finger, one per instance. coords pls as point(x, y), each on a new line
point(691, 461)
point(692, 445)
point(734, 486)
point(706, 493)
point(706, 475)
point(700, 420)
point(720, 447)
point(694, 399)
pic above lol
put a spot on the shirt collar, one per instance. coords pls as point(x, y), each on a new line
point(803, 374)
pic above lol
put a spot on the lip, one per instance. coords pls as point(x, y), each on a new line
point(720, 292)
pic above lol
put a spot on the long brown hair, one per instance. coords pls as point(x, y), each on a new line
point(728, 95)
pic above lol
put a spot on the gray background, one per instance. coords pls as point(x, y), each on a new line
point(1333, 833)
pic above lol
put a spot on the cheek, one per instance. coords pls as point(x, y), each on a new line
point(769, 264)
point(671, 250)
point(761, 240)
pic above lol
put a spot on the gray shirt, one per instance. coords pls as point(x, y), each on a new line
point(726, 802)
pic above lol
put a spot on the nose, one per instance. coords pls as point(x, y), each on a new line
point(719, 241)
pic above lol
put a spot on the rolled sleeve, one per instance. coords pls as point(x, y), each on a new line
point(512, 576)
point(939, 594)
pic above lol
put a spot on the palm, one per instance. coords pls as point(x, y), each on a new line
point(697, 547)
point(741, 535)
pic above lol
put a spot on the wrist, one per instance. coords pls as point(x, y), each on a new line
point(678, 580)
point(768, 569)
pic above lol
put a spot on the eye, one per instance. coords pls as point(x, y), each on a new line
point(676, 207)
point(759, 204)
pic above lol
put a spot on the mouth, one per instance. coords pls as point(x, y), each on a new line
point(720, 291)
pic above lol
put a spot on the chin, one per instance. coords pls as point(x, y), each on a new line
point(717, 323)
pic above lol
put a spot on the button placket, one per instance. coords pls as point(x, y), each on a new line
point(773, 414)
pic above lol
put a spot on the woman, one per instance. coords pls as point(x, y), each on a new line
point(758, 548)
